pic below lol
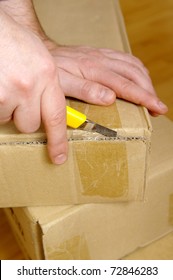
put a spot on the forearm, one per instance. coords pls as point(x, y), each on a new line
point(23, 12)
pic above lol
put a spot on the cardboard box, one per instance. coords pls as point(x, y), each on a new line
point(161, 249)
point(98, 169)
point(103, 231)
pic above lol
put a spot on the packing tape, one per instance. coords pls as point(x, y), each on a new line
point(103, 168)
point(75, 248)
point(102, 164)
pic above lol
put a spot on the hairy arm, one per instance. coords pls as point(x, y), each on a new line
point(23, 12)
point(29, 85)
point(115, 74)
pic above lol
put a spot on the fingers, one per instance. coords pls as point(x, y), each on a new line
point(4, 120)
point(28, 107)
point(86, 90)
point(99, 75)
point(27, 116)
point(123, 56)
point(53, 112)
point(31, 91)
point(100, 54)
point(5, 117)
point(132, 72)
point(125, 65)
point(6, 107)
point(128, 90)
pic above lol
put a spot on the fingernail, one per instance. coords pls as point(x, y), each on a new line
point(162, 106)
point(107, 96)
point(60, 159)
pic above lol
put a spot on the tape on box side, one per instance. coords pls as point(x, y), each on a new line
point(75, 248)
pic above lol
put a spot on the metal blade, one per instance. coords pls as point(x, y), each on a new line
point(95, 127)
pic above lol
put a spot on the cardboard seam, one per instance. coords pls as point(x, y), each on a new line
point(148, 120)
point(44, 142)
point(40, 235)
point(118, 138)
point(23, 143)
point(38, 232)
point(71, 210)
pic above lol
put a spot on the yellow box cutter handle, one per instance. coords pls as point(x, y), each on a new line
point(74, 118)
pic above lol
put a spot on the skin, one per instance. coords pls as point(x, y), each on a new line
point(38, 73)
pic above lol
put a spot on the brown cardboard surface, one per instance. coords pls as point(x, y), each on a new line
point(107, 231)
point(98, 169)
point(83, 22)
point(161, 249)
point(27, 233)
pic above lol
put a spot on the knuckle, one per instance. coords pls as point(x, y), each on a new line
point(29, 125)
point(57, 118)
point(23, 83)
point(134, 59)
point(125, 85)
point(3, 99)
point(86, 62)
point(4, 120)
point(95, 53)
point(49, 68)
point(89, 68)
point(89, 91)
point(138, 73)
point(134, 70)
point(85, 89)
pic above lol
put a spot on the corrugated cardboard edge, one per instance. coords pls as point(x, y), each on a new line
point(123, 35)
point(45, 222)
point(40, 138)
point(17, 222)
point(40, 227)
point(23, 220)
point(66, 248)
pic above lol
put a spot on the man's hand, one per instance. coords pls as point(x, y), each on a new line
point(31, 63)
point(94, 75)
point(100, 75)
point(29, 87)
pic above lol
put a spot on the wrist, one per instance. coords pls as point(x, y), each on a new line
point(23, 12)
point(50, 44)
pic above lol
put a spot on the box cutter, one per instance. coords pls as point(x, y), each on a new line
point(76, 119)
